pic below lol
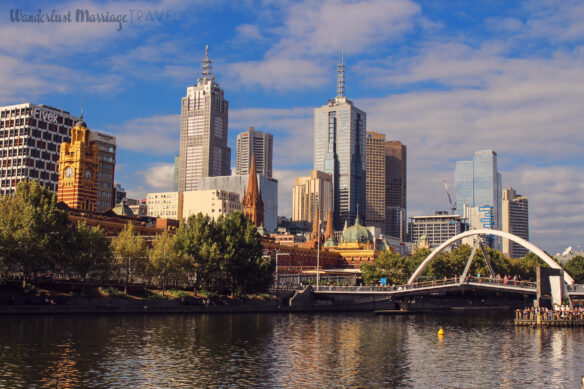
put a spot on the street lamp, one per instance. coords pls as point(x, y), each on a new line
point(318, 255)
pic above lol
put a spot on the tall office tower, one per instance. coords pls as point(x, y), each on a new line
point(315, 190)
point(106, 170)
point(386, 185)
point(78, 168)
point(175, 173)
point(515, 220)
point(478, 187)
point(261, 145)
point(340, 150)
point(30, 136)
point(203, 131)
point(396, 222)
point(376, 181)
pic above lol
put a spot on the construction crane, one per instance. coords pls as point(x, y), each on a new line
point(452, 205)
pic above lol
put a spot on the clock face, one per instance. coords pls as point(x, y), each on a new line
point(88, 173)
point(69, 172)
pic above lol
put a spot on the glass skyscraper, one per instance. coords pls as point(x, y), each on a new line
point(340, 150)
point(478, 185)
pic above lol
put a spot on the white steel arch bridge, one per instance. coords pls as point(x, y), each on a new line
point(479, 244)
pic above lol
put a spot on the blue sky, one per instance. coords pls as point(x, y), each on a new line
point(445, 78)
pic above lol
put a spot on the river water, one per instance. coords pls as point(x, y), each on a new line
point(286, 350)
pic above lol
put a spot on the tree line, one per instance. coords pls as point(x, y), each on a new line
point(222, 256)
point(397, 269)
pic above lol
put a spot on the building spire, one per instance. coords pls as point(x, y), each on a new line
point(315, 236)
point(329, 234)
point(253, 205)
point(341, 75)
point(207, 67)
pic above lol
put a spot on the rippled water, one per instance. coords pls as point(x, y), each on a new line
point(286, 350)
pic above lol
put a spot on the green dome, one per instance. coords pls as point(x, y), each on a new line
point(329, 243)
point(357, 233)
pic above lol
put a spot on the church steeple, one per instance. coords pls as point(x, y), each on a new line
point(329, 226)
point(315, 236)
point(253, 205)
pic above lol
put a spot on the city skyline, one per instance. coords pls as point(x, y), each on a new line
point(445, 81)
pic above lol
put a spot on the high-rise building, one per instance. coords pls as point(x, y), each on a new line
point(340, 150)
point(258, 143)
point(515, 220)
point(436, 229)
point(386, 186)
point(478, 186)
point(119, 193)
point(78, 169)
point(175, 176)
point(106, 170)
point(30, 136)
point(376, 181)
point(315, 190)
point(203, 131)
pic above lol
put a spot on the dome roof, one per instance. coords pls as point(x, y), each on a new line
point(357, 233)
point(329, 243)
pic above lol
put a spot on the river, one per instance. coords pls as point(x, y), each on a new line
point(479, 350)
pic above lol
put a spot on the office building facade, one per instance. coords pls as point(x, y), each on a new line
point(386, 186)
point(310, 192)
point(203, 131)
point(515, 220)
point(258, 143)
point(437, 228)
point(30, 137)
point(268, 188)
point(106, 170)
point(478, 186)
point(340, 150)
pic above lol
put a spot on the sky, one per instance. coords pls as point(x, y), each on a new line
point(444, 78)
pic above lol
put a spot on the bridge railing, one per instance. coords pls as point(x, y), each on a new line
point(577, 288)
point(430, 284)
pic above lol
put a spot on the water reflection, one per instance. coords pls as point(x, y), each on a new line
point(263, 350)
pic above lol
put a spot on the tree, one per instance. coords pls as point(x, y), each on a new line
point(33, 230)
point(575, 267)
point(387, 265)
point(164, 259)
point(241, 251)
point(415, 260)
point(90, 252)
point(129, 250)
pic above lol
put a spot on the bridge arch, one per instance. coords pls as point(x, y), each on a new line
point(530, 246)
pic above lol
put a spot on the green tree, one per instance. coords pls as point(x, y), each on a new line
point(241, 254)
point(33, 230)
point(387, 265)
point(90, 253)
point(415, 260)
point(164, 259)
point(575, 267)
point(129, 251)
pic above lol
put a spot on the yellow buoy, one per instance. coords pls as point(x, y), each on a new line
point(440, 332)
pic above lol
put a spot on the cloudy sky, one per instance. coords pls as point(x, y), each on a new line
point(444, 78)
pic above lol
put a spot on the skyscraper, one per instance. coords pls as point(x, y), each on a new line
point(106, 170)
point(30, 136)
point(258, 143)
point(203, 131)
point(478, 191)
point(515, 220)
point(309, 193)
point(386, 185)
point(340, 150)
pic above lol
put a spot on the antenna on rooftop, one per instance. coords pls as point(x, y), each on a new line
point(341, 75)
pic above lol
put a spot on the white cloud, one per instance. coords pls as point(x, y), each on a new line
point(154, 134)
point(159, 177)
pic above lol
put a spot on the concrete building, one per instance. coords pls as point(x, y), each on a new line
point(119, 193)
point(268, 188)
point(107, 166)
point(258, 143)
point(478, 186)
point(30, 137)
point(176, 175)
point(139, 209)
point(164, 205)
point(315, 190)
point(213, 203)
point(515, 220)
point(437, 228)
point(386, 186)
point(203, 131)
point(340, 150)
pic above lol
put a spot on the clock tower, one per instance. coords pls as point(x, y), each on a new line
point(78, 169)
